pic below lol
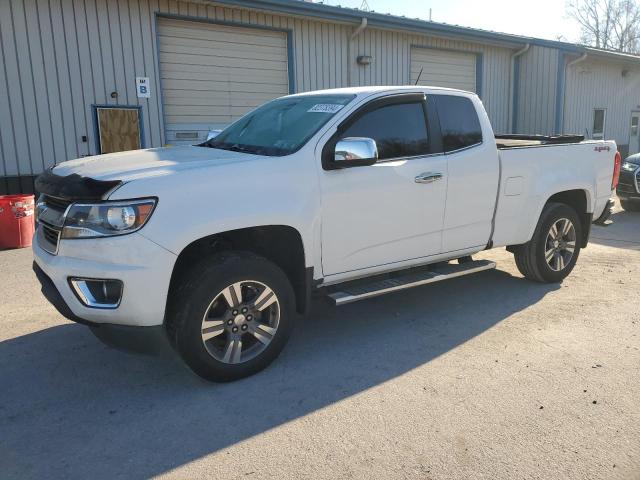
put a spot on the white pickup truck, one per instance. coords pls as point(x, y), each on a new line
point(346, 193)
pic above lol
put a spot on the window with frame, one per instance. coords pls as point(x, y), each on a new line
point(399, 130)
point(459, 122)
point(599, 121)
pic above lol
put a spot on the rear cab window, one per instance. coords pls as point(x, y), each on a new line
point(459, 123)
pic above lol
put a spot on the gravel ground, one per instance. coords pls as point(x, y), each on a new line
point(488, 376)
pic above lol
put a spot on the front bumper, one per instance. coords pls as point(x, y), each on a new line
point(149, 340)
point(143, 266)
point(628, 184)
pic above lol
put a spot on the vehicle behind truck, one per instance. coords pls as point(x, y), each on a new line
point(216, 249)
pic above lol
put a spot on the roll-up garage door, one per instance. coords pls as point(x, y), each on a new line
point(213, 74)
point(443, 68)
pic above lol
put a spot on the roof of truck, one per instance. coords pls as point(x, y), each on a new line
point(378, 89)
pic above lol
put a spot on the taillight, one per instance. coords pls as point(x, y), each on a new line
point(617, 163)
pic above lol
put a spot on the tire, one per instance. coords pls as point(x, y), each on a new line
point(238, 340)
point(630, 205)
point(530, 257)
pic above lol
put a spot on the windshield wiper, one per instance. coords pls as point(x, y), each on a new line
point(237, 147)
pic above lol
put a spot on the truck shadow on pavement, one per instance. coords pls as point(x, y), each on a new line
point(72, 408)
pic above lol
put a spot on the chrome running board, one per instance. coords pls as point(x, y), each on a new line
point(354, 291)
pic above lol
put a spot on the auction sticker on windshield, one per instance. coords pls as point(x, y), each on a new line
point(326, 108)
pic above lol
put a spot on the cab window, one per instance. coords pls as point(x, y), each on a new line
point(399, 130)
point(459, 122)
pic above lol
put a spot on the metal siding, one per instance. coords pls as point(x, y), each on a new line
point(18, 161)
point(585, 92)
point(537, 91)
point(80, 51)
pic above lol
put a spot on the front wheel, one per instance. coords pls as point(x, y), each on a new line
point(231, 316)
point(553, 251)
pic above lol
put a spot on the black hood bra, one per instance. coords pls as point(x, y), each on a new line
point(74, 186)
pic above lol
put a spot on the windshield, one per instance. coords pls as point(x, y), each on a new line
point(280, 127)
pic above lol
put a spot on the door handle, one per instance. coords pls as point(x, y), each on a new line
point(428, 177)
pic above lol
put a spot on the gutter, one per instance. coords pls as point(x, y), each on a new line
point(514, 86)
point(577, 60)
point(363, 24)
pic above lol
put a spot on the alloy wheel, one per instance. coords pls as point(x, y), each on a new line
point(240, 322)
point(560, 244)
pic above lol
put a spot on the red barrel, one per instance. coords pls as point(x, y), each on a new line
point(16, 221)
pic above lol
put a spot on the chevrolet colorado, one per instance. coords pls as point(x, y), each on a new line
point(346, 193)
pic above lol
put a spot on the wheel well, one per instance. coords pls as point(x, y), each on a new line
point(576, 199)
point(279, 243)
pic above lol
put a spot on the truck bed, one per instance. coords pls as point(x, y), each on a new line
point(529, 177)
point(506, 141)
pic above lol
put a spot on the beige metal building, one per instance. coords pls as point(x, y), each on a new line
point(83, 77)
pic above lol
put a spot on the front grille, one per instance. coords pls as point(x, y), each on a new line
point(56, 203)
point(629, 181)
point(50, 222)
point(49, 237)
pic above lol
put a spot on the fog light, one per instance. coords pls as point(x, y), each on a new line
point(97, 293)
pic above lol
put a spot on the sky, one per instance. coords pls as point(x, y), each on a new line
point(540, 19)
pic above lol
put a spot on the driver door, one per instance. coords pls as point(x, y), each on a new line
point(391, 211)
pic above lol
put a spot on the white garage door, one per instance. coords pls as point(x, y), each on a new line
point(442, 68)
point(213, 74)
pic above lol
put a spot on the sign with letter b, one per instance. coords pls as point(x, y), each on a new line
point(142, 87)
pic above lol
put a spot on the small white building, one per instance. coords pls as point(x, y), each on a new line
point(82, 77)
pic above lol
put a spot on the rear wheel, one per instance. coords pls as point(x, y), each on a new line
point(630, 205)
point(553, 251)
point(232, 316)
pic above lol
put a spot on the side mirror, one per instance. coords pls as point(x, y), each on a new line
point(355, 151)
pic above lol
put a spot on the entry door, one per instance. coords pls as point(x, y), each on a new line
point(379, 214)
point(634, 138)
point(118, 129)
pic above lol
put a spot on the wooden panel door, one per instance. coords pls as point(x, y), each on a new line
point(118, 129)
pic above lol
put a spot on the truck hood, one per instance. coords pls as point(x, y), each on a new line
point(138, 164)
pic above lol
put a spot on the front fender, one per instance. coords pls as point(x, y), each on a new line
point(198, 203)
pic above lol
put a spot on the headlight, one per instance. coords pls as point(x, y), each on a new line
point(629, 167)
point(105, 219)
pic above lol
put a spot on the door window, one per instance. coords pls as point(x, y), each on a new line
point(399, 130)
point(459, 122)
point(599, 119)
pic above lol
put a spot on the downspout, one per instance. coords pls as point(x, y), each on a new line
point(513, 87)
point(576, 61)
point(357, 31)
